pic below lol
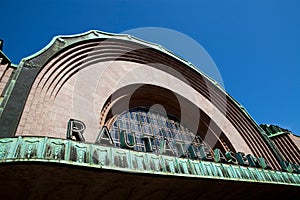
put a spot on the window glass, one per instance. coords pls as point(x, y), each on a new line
point(141, 122)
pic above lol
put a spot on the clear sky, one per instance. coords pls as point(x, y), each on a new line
point(255, 44)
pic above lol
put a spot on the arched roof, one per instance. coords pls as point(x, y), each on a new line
point(64, 56)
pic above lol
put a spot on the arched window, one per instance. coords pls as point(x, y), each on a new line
point(154, 131)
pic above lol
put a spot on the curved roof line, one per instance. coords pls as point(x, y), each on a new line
point(61, 41)
point(67, 40)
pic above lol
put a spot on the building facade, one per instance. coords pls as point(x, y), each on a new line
point(109, 116)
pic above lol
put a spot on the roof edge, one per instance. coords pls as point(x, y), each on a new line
point(62, 41)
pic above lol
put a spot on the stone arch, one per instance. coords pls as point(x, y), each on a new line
point(55, 82)
point(145, 95)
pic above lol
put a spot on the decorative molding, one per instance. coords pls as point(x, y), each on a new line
point(54, 150)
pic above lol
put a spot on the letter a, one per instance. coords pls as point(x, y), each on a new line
point(104, 137)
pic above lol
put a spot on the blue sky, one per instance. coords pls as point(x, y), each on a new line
point(255, 44)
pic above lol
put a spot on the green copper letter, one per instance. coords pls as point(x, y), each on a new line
point(104, 137)
point(148, 143)
point(219, 156)
point(127, 140)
